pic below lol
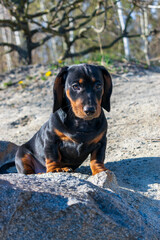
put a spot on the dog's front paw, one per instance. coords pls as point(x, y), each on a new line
point(64, 169)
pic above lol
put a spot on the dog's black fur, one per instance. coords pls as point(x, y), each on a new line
point(76, 128)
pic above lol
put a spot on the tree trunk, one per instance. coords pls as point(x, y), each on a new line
point(71, 33)
point(3, 13)
point(144, 29)
point(29, 50)
point(122, 23)
point(52, 42)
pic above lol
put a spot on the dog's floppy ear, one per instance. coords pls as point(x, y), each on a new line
point(58, 89)
point(107, 88)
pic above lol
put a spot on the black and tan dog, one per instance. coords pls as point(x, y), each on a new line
point(76, 128)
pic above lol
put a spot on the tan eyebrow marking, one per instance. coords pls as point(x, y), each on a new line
point(93, 79)
point(81, 80)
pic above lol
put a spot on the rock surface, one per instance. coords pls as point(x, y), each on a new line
point(63, 206)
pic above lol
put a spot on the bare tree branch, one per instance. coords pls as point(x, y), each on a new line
point(41, 42)
point(9, 23)
point(14, 47)
point(96, 48)
point(128, 19)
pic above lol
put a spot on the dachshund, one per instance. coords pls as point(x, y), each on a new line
point(77, 126)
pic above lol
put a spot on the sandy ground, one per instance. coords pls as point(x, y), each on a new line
point(133, 149)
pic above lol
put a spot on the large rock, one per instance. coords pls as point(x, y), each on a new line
point(62, 206)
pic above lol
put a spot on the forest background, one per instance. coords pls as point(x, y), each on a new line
point(74, 31)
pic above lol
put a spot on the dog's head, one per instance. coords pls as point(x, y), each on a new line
point(86, 88)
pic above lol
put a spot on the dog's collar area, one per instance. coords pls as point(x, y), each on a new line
point(70, 126)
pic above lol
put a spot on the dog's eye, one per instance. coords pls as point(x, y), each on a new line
point(98, 85)
point(76, 86)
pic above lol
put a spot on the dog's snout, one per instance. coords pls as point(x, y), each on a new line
point(89, 110)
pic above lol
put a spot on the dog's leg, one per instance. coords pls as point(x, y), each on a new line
point(53, 161)
point(24, 162)
point(97, 160)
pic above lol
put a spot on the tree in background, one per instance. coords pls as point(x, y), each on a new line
point(78, 27)
point(59, 20)
point(21, 21)
point(122, 23)
point(5, 34)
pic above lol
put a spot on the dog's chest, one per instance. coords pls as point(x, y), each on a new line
point(76, 135)
point(73, 150)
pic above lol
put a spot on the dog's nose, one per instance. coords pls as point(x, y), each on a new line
point(89, 110)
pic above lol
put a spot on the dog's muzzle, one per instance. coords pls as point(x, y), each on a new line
point(89, 110)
